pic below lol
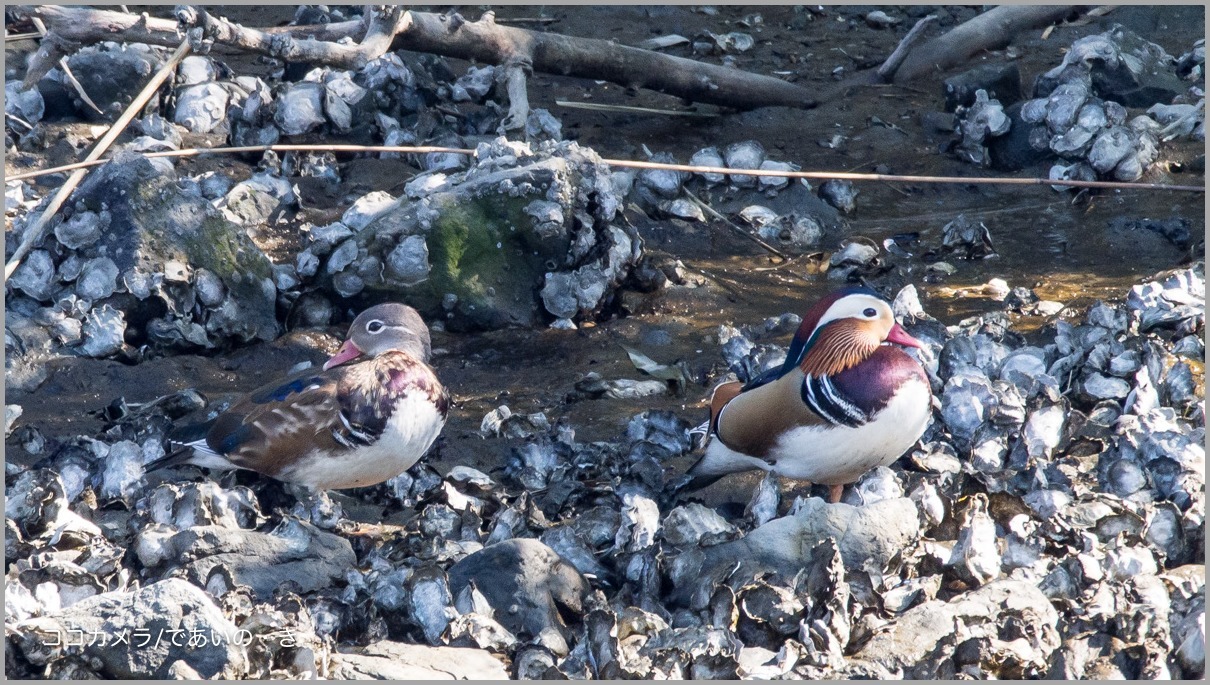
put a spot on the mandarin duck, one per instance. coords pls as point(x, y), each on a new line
point(370, 414)
point(845, 401)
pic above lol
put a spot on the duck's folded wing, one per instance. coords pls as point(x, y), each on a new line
point(754, 420)
point(279, 422)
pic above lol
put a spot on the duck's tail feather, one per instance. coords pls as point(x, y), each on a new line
point(183, 454)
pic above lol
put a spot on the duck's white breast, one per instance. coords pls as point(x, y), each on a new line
point(409, 433)
point(838, 455)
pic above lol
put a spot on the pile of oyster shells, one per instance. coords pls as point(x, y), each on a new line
point(1049, 524)
point(1079, 109)
point(800, 220)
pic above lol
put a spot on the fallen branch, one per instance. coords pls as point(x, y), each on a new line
point(382, 24)
point(992, 30)
point(892, 63)
point(35, 231)
point(447, 35)
point(625, 163)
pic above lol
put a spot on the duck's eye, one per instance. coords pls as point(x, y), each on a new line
point(870, 313)
point(375, 326)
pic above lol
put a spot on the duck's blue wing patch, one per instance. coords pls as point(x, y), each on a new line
point(281, 392)
point(234, 440)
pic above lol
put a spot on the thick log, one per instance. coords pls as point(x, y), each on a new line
point(991, 30)
point(446, 35)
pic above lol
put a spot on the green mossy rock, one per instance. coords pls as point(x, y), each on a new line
point(496, 239)
point(161, 237)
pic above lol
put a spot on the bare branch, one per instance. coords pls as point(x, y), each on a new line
point(448, 35)
point(887, 71)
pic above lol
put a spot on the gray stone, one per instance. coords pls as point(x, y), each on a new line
point(300, 108)
point(26, 105)
point(526, 583)
point(867, 537)
point(82, 229)
point(295, 552)
point(153, 223)
point(689, 524)
point(386, 660)
point(34, 276)
point(908, 644)
point(156, 610)
point(408, 262)
point(202, 108)
point(104, 332)
point(98, 279)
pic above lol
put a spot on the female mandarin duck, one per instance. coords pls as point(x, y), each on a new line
point(355, 423)
point(845, 401)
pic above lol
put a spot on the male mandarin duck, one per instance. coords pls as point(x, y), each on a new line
point(845, 401)
point(370, 414)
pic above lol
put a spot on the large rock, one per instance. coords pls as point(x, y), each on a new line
point(866, 536)
point(295, 552)
point(1123, 67)
point(1011, 619)
point(526, 583)
point(112, 74)
point(140, 634)
point(522, 236)
point(386, 660)
point(167, 245)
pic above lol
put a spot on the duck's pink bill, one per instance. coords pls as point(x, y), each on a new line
point(899, 337)
point(346, 352)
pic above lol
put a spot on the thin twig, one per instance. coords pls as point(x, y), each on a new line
point(35, 231)
point(22, 36)
point(628, 108)
point(19, 120)
point(528, 20)
point(710, 210)
point(821, 175)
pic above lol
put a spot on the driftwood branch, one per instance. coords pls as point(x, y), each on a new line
point(447, 35)
point(887, 71)
point(991, 30)
point(382, 24)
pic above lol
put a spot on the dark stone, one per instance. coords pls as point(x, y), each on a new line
point(1175, 229)
point(58, 100)
point(112, 78)
point(1001, 81)
point(1012, 151)
point(529, 586)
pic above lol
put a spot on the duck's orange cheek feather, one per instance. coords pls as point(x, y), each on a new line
point(841, 345)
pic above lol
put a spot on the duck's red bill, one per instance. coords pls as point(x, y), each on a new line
point(899, 337)
point(346, 352)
